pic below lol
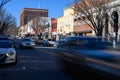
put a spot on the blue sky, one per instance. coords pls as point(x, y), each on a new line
point(55, 7)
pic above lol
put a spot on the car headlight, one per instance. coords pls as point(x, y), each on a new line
point(32, 43)
point(10, 53)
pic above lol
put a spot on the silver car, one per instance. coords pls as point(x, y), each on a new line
point(49, 42)
point(27, 43)
point(7, 52)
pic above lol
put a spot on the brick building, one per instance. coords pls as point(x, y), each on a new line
point(80, 27)
point(53, 28)
point(29, 13)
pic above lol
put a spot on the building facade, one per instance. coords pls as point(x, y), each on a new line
point(80, 27)
point(60, 27)
point(53, 28)
point(68, 21)
point(29, 15)
point(65, 23)
point(112, 21)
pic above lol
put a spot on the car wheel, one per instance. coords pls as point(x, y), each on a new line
point(14, 63)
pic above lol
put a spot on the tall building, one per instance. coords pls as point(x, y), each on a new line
point(65, 23)
point(54, 28)
point(28, 14)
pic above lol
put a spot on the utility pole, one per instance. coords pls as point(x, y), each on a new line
point(38, 4)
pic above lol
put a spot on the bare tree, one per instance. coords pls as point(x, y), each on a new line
point(3, 2)
point(13, 30)
point(93, 13)
point(6, 21)
point(38, 24)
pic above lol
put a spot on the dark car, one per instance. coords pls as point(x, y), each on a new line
point(39, 41)
point(90, 56)
point(4, 38)
point(59, 42)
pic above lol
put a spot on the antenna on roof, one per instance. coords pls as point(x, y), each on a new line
point(39, 4)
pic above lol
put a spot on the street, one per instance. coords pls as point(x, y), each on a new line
point(34, 64)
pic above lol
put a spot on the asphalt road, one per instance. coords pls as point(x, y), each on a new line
point(34, 64)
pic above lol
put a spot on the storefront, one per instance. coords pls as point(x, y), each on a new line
point(83, 33)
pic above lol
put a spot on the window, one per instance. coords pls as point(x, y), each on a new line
point(75, 20)
point(79, 19)
point(84, 17)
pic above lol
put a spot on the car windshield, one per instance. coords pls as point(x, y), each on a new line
point(5, 45)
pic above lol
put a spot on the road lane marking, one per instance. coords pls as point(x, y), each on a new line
point(19, 69)
point(46, 47)
point(48, 61)
point(48, 52)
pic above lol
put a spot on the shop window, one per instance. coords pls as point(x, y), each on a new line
point(79, 19)
point(84, 18)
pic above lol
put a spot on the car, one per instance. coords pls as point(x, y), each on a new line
point(59, 42)
point(49, 42)
point(27, 43)
point(39, 41)
point(7, 52)
point(90, 56)
point(5, 38)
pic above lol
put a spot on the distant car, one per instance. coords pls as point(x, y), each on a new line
point(49, 42)
point(39, 41)
point(90, 56)
point(27, 43)
point(7, 52)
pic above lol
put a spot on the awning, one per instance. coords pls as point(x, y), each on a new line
point(85, 31)
point(54, 33)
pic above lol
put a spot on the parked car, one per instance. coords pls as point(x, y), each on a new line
point(6, 38)
point(27, 43)
point(49, 42)
point(39, 41)
point(90, 56)
point(7, 52)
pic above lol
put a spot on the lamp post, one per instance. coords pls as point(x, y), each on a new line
point(48, 26)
